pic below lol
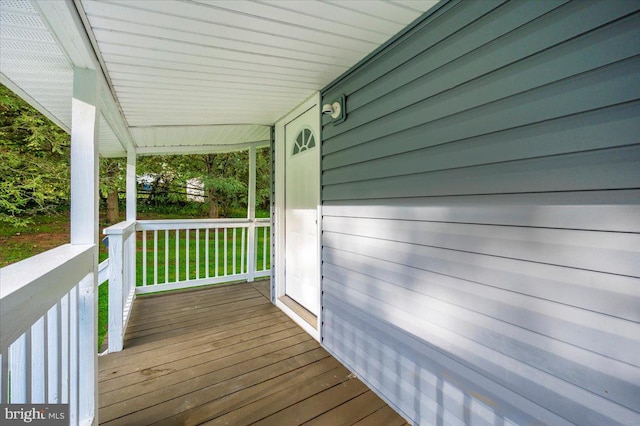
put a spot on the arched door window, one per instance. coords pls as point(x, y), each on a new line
point(304, 140)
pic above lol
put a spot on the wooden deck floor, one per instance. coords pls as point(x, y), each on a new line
point(227, 356)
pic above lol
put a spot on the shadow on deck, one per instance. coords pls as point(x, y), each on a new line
point(226, 355)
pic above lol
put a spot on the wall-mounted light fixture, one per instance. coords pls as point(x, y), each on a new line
point(336, 109)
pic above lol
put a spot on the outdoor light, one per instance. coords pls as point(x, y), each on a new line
point(336, 110)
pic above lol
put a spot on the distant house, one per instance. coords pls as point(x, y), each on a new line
point(195, 190)
point(145, 182)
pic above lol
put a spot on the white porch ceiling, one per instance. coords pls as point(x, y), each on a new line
point(178, 69)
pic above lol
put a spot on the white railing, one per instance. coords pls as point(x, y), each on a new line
point(47, 339)
point(122, 280)
point(177, 254)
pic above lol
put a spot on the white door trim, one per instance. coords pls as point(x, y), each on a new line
point(280, 214)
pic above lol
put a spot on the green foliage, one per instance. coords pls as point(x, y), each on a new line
point(113, 175)
point(34, 162)
point(225, 179)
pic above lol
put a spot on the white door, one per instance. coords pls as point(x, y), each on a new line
point(302, 197)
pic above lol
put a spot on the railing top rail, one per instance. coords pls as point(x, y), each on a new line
point(263, 220)
point(150, 225)
point(30, 287)
point(103, 272)
point(121, 228)
point(172, 221)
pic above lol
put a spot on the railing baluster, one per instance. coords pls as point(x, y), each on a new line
point(225, 251)
point(53, 355)
point(18, 370)
point(166, 256)
point(242, 269)
point(206, 252)
point(38, 377)
point(63, 330)
point(155, 257)
point(73, 355)
point(4, 376)
point(233, 251)
point(197, 253)
point(216, 251)
point(187, 253)
point(144, 257)
point(177, 255)
point(264, 249)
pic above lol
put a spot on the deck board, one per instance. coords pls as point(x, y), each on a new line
point(226, 355)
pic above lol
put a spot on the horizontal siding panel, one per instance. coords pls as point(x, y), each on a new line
point(569, 289)
point(579, 289)
point(614, 84)
point(608, 336)
point(483, 78)
point(400, 155)
point(617, 253)
point(614, 211)
point(562, 397)
point(595, 170)
point(613, 380)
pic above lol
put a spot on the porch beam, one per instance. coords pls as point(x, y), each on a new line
point(85, 116)
point(199, 149)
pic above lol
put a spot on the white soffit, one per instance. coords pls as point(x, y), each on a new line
point(198, 139)
point(32, 61)
point(198, 62)
point(33, 65)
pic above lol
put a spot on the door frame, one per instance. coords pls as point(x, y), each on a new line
point(280, 216)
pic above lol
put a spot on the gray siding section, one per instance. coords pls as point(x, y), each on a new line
point(481, 216)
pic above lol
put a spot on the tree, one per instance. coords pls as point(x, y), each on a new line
point(221, 175)
point(34, 161)
point(112, 182)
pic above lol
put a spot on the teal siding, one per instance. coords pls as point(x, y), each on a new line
point(481, 215)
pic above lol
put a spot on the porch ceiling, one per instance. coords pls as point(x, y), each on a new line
point(178, 69)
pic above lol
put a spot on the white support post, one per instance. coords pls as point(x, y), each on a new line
point(116, 290)
point(85, 114)
point(129, 266)
point(132, 185)
point(251, 215)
